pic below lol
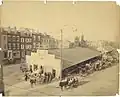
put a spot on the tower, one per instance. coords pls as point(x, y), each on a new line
point(82, 37)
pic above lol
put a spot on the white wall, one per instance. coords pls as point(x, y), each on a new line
point(47, 60)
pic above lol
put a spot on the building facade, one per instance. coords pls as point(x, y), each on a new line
point(45, 44)
point(14, 42)
point(4, 42)
point(53, 43)
point(34, 41)
point(22, 43)
point(28, 42)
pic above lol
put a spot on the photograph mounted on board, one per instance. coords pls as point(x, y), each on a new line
point(59, 48)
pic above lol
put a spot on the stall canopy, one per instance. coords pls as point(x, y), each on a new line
point(74, 56)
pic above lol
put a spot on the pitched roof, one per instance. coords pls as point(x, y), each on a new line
point(74, 56)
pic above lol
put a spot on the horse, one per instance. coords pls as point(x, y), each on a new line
point(63, 83)
point(88, 68)
point(97, 65)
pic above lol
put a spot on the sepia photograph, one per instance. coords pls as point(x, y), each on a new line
point(59, 48)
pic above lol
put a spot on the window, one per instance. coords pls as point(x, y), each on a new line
point(14, 46)
point(38, 38)
point(34, 45)
point(4, 37)
point(27, 46)
point(18, 45)
point(9, 45)
point(30, 46)
point(26, 40)
point(23, 54)
point(10, 54)
point(22, 46)
point(30, 40)
point(9, 37)
point(5, 46)
point(14, 54)
point(14, 38)
point(5, 54)
point(34, 37)
point(18, 38)
point(22, 39)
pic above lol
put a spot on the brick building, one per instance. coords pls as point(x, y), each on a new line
point(14, 43)
point(22, 42)
point(3, 40)
point(18, 43)
point(45, 44)
point(28, 42)
point(34, 41)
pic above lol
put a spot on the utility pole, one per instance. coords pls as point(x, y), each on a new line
point(2, 90)
point(1, 73)
point(61, 55)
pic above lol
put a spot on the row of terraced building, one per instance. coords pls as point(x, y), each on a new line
point(16, 43)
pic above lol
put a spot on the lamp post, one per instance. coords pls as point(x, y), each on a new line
point(1, 73)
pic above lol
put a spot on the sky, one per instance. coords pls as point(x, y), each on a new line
point(96, 20)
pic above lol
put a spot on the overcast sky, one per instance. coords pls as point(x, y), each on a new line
point(96, 20)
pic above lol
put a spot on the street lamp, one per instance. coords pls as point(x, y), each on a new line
point(1, 73)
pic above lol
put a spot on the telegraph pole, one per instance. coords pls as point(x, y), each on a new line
point(61, 54)
point(2, 90)
point(1, 73)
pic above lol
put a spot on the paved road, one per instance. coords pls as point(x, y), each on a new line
point(104, 82)
point(12, 74)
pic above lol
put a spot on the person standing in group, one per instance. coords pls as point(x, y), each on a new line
point(50, 78)
point(31, 81)
point(45, 77)
point(31, 69)
point(26, 76)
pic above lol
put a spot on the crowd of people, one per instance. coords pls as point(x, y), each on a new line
point(42, 77)
point(105, 61)
point(39, 77)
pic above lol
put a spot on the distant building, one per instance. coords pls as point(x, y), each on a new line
point(34, 41)
point(56, 43)
point(19, 43)
point(52, 43)
point(65, 44)
point(22, 43)
point(38, 40)
point(4, 42)
point(28, 42)
point(14, 42)
point(77, 41)
point(83, 42)
point(45, 41)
